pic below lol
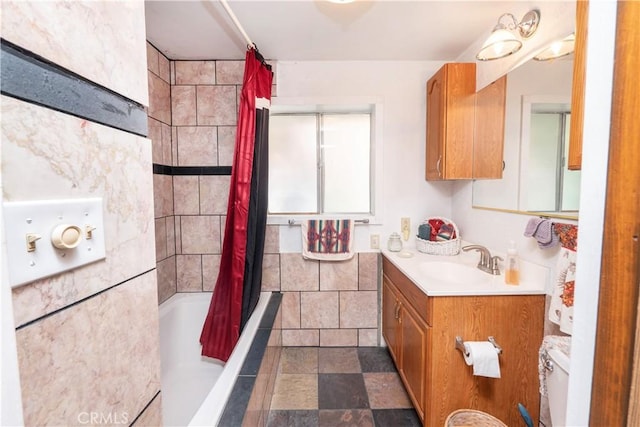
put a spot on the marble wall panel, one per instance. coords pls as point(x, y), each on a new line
point(359, 309)
point(214, 194)
point(161, 238)
point(166, 272)
point(189, 273)
point(319, 310)
point(197, 146)
point(298, 274)
point(300, 337)
point(153, 63)
point(159, 99)
point(229, 72)
point(368, 337)
point(195, 72)
point(338, 337)
point(55, 29)
point(200, 234)
point(155, 135)
point(368, 271)
point(75, 158)
point(217, 105)
point(271, 272)
point(339, 275)
point(164, 68)
point(167, 145)
point(171, 235)
point(162, 195)
point(272, 240)
point(210, 269)
point(152, 415)
point(185, 195)
point(183, 105)
point(226, 145)
point(290, 308)
point(88, 357)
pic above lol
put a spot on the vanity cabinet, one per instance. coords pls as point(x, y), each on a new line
point(450, 122)
point(420, 331)
point(488, 139)
point(406, 335)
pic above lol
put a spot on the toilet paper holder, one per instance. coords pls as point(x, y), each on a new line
point(460, 345)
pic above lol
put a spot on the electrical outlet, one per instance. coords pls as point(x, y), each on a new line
point(405, 228)
point(375, 241)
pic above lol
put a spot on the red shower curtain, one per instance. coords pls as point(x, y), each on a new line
point(238, 286)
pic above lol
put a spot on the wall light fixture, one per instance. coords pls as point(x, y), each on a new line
point(503, 40)
point(558, 49)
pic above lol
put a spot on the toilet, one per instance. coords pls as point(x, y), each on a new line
point(557, 382)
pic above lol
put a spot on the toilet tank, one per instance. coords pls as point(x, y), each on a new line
point(557, 386)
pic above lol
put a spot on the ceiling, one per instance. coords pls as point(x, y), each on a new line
point(308, 30)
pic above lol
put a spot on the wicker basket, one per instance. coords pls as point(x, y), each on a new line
point(444, 247)
point(471, 417)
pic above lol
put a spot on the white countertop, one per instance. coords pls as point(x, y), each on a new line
point(533, 277)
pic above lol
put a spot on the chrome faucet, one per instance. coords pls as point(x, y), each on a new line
point(487, 263)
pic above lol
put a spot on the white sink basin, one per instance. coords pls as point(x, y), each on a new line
point(453, 272)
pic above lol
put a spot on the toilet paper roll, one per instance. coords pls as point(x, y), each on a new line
point(483, 356)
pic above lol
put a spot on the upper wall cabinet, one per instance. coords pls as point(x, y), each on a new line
point(450, 122)
point(577, 94)
point(488, 140)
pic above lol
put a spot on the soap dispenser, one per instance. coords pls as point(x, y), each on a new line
point(512, 265)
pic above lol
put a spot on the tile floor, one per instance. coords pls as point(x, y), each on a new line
point(339, 387)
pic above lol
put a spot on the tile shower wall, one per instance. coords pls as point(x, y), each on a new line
point(162, 153)
point(87, 339)
point(326, 304)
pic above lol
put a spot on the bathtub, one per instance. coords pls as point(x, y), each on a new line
point(195, 389)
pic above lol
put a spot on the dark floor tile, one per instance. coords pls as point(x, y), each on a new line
point(345, 418)
point(342, 391)
point(296, 418)
point(396, 418)
point(375, 359)
point(238, 401)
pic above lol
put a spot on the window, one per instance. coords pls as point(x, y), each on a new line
point(320, 163)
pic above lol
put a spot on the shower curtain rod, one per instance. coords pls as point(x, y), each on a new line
point(237, 23)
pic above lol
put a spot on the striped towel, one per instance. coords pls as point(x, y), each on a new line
point(327, 239)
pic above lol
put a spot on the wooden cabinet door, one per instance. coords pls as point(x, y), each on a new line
point(414, 350)
point(488, 141)
point(390, 316)
point(450, 118)
point(577, 90)
point(435, 126)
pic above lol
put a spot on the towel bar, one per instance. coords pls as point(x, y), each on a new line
point(460, 345)
point(359, 221)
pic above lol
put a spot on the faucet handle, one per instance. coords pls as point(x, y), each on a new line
point(495, 269)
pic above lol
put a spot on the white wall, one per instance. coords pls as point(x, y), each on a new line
point(599, 77)
point(401, 89)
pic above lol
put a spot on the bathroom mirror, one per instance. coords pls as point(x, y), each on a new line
point(537, 115)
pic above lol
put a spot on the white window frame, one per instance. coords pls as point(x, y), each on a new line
point(370, 105)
